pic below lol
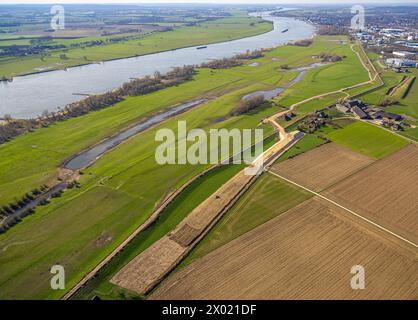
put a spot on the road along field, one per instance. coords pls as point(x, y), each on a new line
point(305, 253)
point(322, 166)
point(385, 192)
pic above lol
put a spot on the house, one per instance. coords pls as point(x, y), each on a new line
point(393, 116)
point(396, 127)
point(287, 117)
point(358, 112)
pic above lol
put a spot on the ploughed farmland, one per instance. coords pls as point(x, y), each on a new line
point(385, 192)
point(322, 166)
point(306, 253)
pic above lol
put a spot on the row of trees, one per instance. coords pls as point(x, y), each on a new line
point(13, 207)
point(235, 61)
point(7, 220)
point(4, 226)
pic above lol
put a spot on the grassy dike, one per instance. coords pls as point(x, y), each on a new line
point(225, 29)
point(118, 192)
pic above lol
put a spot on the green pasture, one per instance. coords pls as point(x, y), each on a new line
point(367, 139)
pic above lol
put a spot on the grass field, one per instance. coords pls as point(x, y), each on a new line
point(266, 199)
point(126, 182)
point(367, 139)
point(411, 133)
point(201, 189)
point(308, 142)
point(317, 81)
point(209, 32)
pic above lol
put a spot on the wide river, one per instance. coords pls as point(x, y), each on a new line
point(30, 95)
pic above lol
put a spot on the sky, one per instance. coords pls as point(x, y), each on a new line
point(211, 1)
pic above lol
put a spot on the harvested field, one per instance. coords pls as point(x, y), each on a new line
point(322, 166)
point(145, 270)
point(385, 192)
point(306, 253)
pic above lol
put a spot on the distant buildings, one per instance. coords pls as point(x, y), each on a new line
point(401, 63)
point(404, 54)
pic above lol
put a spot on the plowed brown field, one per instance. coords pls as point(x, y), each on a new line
point(385, 192)
point(322, 166)
point(306, 253)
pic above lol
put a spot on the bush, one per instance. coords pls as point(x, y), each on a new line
point(329, 57)
point(247, 105)
point(303, 43)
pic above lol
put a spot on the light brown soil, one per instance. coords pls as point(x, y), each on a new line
point(306, 253)
point(385, 192)
point(321, 167)
point(147, 268)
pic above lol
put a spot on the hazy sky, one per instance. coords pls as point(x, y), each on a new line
point(210, 1)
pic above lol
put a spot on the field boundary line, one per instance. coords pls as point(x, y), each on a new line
point(346, 209)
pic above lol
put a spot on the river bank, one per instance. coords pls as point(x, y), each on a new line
point(56, 88)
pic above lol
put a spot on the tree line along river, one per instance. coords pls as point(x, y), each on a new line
point(28, 96)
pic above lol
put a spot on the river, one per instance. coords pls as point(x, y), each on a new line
point(30, 95)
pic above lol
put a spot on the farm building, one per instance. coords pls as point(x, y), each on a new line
point(358, 112)
point(342, 108)
point(355, 103)
point(387, 116)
